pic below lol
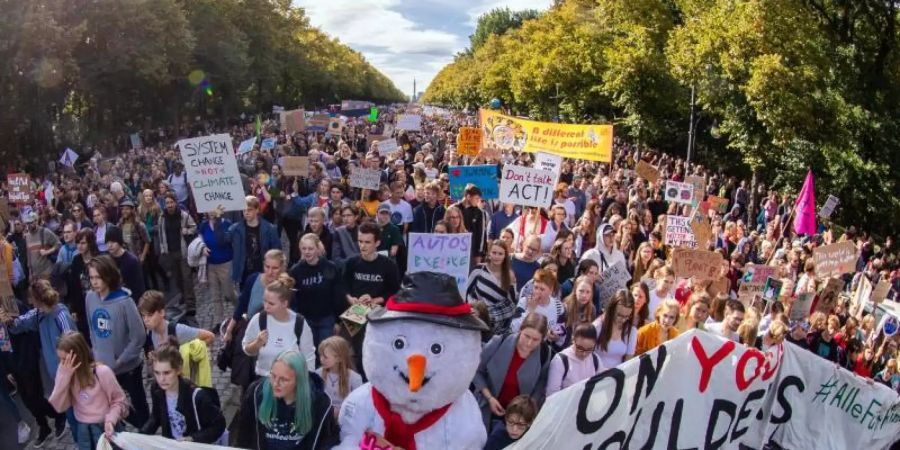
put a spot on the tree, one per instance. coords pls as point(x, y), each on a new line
point(496, 22)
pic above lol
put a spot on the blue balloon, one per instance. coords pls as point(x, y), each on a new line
point(495, 103)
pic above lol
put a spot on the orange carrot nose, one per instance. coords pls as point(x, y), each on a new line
point(416, 363)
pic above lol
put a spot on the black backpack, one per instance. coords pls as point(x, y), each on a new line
point(565, 363)
point(170, 329)
point(298, 324)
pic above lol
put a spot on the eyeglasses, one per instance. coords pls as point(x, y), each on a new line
point(581, 349)
point(280, 381)
point(512, 424)
point(623, 316)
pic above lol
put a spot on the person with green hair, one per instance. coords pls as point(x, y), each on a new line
point(289, 409)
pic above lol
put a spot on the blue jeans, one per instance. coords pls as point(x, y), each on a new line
point(87, 435)
point(322, 328)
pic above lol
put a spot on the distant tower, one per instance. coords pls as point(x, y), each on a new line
point(414, 90)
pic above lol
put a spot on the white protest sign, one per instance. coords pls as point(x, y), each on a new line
point(246, 146)
point(365, 178)
point(68, 157)
point(409, 122)
point(550, 163)
point(136, 143)
point(128, 440)
point(679, 233)
point(526, 186)
point(387, 146)
point(679, 192)
point(444, 253)
point(612, 279)
point(212, 172)
point(828, 207)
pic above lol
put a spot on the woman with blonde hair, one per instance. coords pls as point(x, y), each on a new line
point(579, 306)
point(455, 221)
point(696, 312)
point(663, 329)
point(318, 289)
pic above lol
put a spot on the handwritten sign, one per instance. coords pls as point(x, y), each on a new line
point(828, 208)
point(294, 121)
point(702, 232)
point(613, 278)
point(295, 166)
point(753, 281)
point(409, 122)
point(679, 233)
point(699, 184)
point(212, 172)
point(387, 146)
point(836, 259)
point(802, 306)
point(444, 253)
point(719, 204)
point(19, 185)
point(365, 178)
point(647, 172)
point(468, 142)
point(679, 192)
point(701, 264)
point(526, 186)
point(483, 176)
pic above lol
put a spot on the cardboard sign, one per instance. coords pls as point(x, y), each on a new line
point(679, 233)
point(861, 295)
point(294, 121)
point(468, 142)
point(836, 259)
point(719, 204)
point(19, 186)
point(699, 184)
point(647, 171)
point(828, 294)
point(612, 279)
point(212, 172)
point(702, 233)
point(679, 192)
point(365, 178)
point(295, 166)
point(374, 138)
point(483, 176)
point(526, 186)
point(409, 122)
point(828, 207)
point(335, 126)
point(387, 146)
point(701, 264)
point(880, 292)
point(443, 253)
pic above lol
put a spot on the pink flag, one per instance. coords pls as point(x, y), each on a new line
point(805, 208)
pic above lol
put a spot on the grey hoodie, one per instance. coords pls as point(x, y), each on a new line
point(117, 331)
point(605, 257)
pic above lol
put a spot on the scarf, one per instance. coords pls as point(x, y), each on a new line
point(398, 432)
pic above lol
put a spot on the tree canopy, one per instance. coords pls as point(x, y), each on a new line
point(781, 85)
point(78, 73)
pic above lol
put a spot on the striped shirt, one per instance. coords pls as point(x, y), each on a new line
point(484, 286)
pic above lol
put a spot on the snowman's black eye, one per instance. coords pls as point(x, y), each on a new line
point(437, 349)
point(399, 343)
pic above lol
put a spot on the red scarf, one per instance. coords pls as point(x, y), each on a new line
point(398, 432)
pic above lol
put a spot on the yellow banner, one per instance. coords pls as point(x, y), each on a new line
point(504, 133)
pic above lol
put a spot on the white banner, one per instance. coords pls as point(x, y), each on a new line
point(526, 186)
point(409, 122)
point(679, 192)
point(212, 172)
point(387, 146)
point(444, 253)
point(129, 441)
point(364, 178)
point(700, 390)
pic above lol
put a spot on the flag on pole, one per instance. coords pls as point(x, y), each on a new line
point(258, 126)
point(373, 114)
point(805, 208)
point(68, 157)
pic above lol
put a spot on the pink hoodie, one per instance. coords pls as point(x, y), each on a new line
point(103, 402)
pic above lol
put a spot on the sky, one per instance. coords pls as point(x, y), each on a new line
point(406, 39)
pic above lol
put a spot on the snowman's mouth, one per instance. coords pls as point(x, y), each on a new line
point(405, 377)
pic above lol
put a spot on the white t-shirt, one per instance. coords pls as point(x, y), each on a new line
point(615, 348)
point(718, 328)
point(281, 338)
point(401, 213)
point(654, 302)
point(332, 386)
point(176, 419)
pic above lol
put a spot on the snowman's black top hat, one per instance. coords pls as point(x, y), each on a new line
point(429, 297)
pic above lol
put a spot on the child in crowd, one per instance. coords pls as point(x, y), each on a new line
point(519, 415)
point(337, 370)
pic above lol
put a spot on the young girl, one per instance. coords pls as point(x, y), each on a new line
point(184, 411)
point(90, 388)
point(653, 334)
point(337, 370)
point(616, 334)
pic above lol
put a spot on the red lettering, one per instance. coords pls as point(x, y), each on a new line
point(707, 363)
point(773, 360)
point(740, 375)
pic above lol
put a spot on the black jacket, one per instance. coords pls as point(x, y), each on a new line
point(212, 422)
point(324, 433)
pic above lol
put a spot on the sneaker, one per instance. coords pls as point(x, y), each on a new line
point(43, 437)
point(24, 432)
point(59, 429)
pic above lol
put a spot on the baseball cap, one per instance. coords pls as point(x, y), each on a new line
point(127, 202)
point(383, 208)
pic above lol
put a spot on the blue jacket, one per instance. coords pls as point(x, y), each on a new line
point(237, 235)
point(51, 326)
point(219, 251)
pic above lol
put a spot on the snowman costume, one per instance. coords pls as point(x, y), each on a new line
point(421, 352)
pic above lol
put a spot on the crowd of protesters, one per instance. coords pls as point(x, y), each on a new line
point(108, 260)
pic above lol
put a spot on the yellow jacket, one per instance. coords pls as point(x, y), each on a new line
point(648, 337)
point(196, 366)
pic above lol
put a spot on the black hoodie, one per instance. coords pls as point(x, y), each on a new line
point(319, 293)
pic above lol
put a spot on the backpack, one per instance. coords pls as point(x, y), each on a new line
point(565, 363)
point(170, 330)
point(298, 324)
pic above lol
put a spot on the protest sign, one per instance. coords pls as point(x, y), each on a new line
point(409, 122)
point(355, 318)
point(702, 232)
point(836, 259)
point(374, 138)
point(700, 390)
point(68, 158)
point(612, 279)
point(387, 146)
point(483, 176)
point(212, 172)
point(550, 163)
point(828, 208)
point(719, 204)
point(772, 289)
point(19, 187)
point(678, 232)
point(365, 178)
point(679, 192)
point(246, 146)
point(701, 264)
point(753, 281)
point(526, 186)
point(124, 439)
point(699, 184)
point(294, 121)
point(861, 295)
point(468, 142)
point(505, 133)
point(335, 126)
point(802, 306)
point(136, 143)
point(828, 294)
point(443, 253)
point(318, 122)
point(647, 171)
point(880, 292)
point(295, 166)
point(268, 144)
